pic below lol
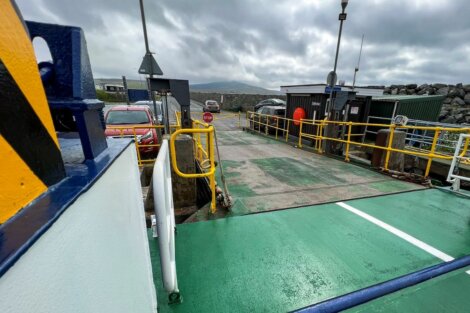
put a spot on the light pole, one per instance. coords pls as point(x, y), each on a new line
point(332, 82)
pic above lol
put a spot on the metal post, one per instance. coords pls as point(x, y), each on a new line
point(147, 52)
point(166, 115)
point(330, 104)
point(330, 128)
point(358, 64)
point(124, 83)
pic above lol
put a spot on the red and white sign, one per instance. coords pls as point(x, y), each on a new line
point(208, 117)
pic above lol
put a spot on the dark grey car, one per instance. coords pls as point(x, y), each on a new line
point(269, 102)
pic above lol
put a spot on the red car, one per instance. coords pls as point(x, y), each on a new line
point(121, 119)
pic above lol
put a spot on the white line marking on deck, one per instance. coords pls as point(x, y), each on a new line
point(416, 242)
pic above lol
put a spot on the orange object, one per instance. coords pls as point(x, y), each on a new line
point(299, 114)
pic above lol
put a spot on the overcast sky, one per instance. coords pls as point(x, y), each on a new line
point(272, 43)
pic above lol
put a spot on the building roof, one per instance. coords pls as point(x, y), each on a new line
point(321, 89)
point(407, 97)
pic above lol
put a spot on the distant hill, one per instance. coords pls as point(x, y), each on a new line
point(232, 87)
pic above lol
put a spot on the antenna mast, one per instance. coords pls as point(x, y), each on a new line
point(358, 64)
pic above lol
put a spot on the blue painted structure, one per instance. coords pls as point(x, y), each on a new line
point(138, 95)
point(69, 85)
point(364, 295)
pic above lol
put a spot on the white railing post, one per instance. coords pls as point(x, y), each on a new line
point(452, 178)
point(164, 210)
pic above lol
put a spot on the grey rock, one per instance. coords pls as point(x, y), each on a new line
point(454, 92)
point(402, 92)
point(410, 91)
point(467, 119)
point(459, 117)
point(449, 120)
point(466, 99)
point(411, 86)
point(423, 92)
point(459, 85)
point(458, 101)
point(424, 86)
point(461, 93)
point(438, 85)
point(466, 88)
point(394, 91)
point(447, 100)
point(443, 91)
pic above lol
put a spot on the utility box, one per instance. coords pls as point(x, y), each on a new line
point(397, 159)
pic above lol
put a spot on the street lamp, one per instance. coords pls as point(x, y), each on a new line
point(332, 77)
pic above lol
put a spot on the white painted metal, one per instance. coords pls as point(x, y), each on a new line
point(94, 258)
point(164, 209)
point(451, 177)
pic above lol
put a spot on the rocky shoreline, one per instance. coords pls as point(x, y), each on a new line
point(456, 108)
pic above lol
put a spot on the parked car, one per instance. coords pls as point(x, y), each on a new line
point(211, 106)
point(159, 105)
point(121, 119)
point(268, 115)
point(269, 102)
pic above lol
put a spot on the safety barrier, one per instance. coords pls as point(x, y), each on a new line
point(458, 158)
point(204, 153)
point(279, 124)
point(164, 210)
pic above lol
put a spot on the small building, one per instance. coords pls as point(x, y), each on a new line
point(313, 98)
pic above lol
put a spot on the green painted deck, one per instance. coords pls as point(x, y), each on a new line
point(264, 174)
point(284, 260)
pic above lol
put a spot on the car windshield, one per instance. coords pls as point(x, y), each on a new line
point(211, 103)
point(280, 112)
point(279, 101)
point(127, 117)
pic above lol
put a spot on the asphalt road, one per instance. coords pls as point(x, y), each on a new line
point(224, 121)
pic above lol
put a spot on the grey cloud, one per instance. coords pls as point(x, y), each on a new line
point(271, 43)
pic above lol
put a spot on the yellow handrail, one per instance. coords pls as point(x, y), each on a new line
point(209, 130)
point(318, 136)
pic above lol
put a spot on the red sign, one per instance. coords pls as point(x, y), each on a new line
point(208, 117)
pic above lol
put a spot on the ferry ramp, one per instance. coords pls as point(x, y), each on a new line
point(323, 229)
point(265, 174)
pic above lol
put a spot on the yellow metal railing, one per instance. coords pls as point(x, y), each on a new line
point(204, 153)
point(221, 116)
point(256, 121)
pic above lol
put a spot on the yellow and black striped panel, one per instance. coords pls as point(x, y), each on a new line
point(30, 158)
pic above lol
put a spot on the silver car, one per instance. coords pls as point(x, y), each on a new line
point(158, 114)
point(211, 106)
